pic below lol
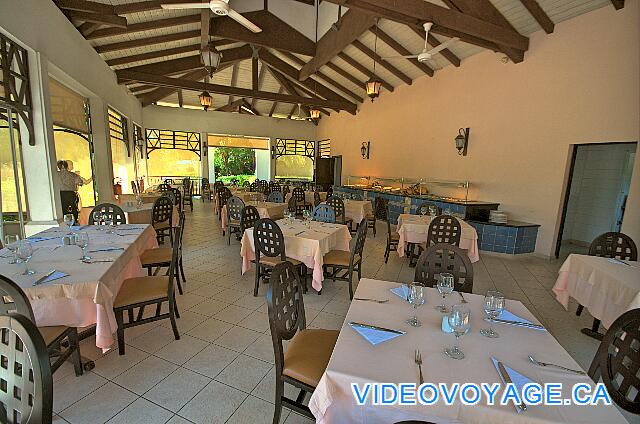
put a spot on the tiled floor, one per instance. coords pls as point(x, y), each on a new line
point(221, 370)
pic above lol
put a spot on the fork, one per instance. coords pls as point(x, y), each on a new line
point(462, 297)
point(371, 300)
point(418, 360)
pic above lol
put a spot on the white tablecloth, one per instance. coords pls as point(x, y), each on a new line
point(605, 287)
point(354, 360)
point(86, 296)
point(414, 229)
point(357, 209)
point(265, 209)
point(306, 245)
point(135, 215)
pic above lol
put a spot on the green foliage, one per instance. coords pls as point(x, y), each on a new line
point(227, 179)
point(233, 161)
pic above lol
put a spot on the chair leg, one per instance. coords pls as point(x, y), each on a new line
point(175, 307)
point(579, 310)
point(257, 285)
point(386, 253)
point(74, 345)
point(178, 281)
point(229, 235)
point(149, 271)
point(351, 287)
point(182, 270)
point(172, 315)
point(120, 331)
point(278, 405)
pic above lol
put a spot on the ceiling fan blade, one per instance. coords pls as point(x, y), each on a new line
point(185, 6)
point(443, 45)
point(243, 21)
point(411, 56)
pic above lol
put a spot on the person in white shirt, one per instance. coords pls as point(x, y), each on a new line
point(69, 183)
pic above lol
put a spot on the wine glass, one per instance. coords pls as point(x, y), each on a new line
point(82, 241)
point(306, 215)
point(445, 287)
point(24, 253)
point(108, 221)
point(415, 297)
point(11, 243)
point(69, 220)
point(98, 216)
point(493, 307)
point(460, 323)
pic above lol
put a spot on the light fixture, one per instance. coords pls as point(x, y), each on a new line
point(210, 58)
point(462, 141)
point(205, 97)
point(373, 85)
point(314, 113)
point(364, 149)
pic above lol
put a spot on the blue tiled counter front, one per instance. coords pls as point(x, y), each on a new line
point(515, 237)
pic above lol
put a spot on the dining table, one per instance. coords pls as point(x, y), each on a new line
point(135, 214)
point(607, 287)
point(147, 197)
point(84, 294)
point(415, 228)
point(305, 240)
point(270, 210)
point(356, 360)
point(357, 210)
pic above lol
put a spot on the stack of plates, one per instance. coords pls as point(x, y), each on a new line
point(498, 217)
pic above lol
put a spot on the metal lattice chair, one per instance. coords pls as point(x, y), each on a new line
point(423, 208)
point(164, 187)
point(285, 190)
point(275, 186)
point(26, 383)
point(617, 361)
point(316, 199)
point(379, 209)
point(234, 212)
point(338, 206)
point(61, 341)
point(296, 207)
point(162, 218)
point(275, 197)
point(205, 189)
point(442, 229)
point(187, 198)
point(308, 351)
point(254, 186)
point(140, 292)
point(112, 211)
point(299, 195)
point(609, 245)
point(248, 218)
point(270, 251)
point(177, 194)
point(356, 196)
point(224, 194)
point(393, 238)
point(337, 261)
point(445, 257)
point(171, 195)
point(324, 213)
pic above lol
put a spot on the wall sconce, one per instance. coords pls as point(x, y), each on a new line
point(364, 149)
point(462, 141)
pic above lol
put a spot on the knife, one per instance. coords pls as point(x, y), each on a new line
point(44, 277)
point(373, 327)
point(505, 376)
point(519, 324)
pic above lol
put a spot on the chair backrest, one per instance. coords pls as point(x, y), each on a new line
point(234, 208)
point(445, 257)
point(25, 373)
point(268, 239)
point(224, 194)
point(205, 184)
point(275, 186)
point(329, 191)
point(298, 193)
point(254, 186)
point(614, 245)
point(13, 299)
point(617, 361)
point(162, 210)
point(171, 195)
point(358, 246)
point(263, 185)
point(324, 213)
point(444, 229)
point(316, 198)
point(178, 198)
point(275, 197)
point(380, 208)
point(168, 181)
point(164, 187)
point(187, 186)
point(114, 212)
point(285, 190)
point(295, 206)
point(217, 184)
point(338, 206)
point(285, 305)
point(246, 183)
point(388, 211)
point(134, 187)
point(249, 217)
point(185, 181)
point(423, 208)
point(266, 191)
point(178, 235)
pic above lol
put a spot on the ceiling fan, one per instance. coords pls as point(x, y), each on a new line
point(299, 116)
point(427, 54)
point(220, 8)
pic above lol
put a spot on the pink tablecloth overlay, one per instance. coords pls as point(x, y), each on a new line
point(606, 287)
point(265, 209)
point(86, 296)
point(414, 229)
point(306, 245)
point(354, 360)
point(357, 209)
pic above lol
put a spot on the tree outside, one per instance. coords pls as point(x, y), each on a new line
point(234, 163)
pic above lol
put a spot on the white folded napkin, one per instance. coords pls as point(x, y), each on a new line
point(373, 335)
point(509, 316)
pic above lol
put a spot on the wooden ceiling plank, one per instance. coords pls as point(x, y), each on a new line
point(539, 15)
point(401, 50)
point(146, 26)
point(142, 42)
point(275, 33)
point(145, 6)
point(161, 53)
point(381, 62)
point(345, 74)
point(618, 4)
point(86, 6)
point(352, 25)
point(360, 67)
point(185, 84)
point(99, 18)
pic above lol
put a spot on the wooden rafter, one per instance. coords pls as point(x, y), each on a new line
point(231, 107)
point(205, 20)
point(143, 42)
point(539, 15)
point(86, 6)
point(184, 84)
point(618, 4)
point(254, 72)
point(287, 86)
point(160, 93)
point(144, 6)
point(275, 104)
point(180, 99)
point(335, 68)
point(401, 50)
point(234, 79)
point(146, 26)
point(352, 25)
point(260, 81)
point(98, 18)
point(88, 28)
point(484, 9)
point(363, 69)
point(247, 106)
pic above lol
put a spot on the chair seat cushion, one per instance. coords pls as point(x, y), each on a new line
point(50, 334)
point(339, 257)
point(234, 222)
point(141, 289)
point(159, 255)
point(394, 237)
point(161, 225)
point(370, 217)
point(275, 260)
point(308, 354)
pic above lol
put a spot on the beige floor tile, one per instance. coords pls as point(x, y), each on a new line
point(141, 412)
point(211, 360)
point(180, 351)
point(209, 307)
point(261, 349)
point(244, 373)
point(71, 389)
point(187, 321)
point(153, 340)
point(213, 405)
point(99, 406)
point(237, 338)
point(145, 375)
point(210, 329)
point(114, 364)
point(177, 389)
point(254, 410)
point(233, 314)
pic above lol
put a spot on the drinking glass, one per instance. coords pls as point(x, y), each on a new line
point(445, 287)
point(108, 222)
point(415, 297)
point(24, 253)
point(493, 307)
point(11, 242)
point(98, 217)
point(69, 220)
point(82, 241)
point(460, 323)
point(306, 215)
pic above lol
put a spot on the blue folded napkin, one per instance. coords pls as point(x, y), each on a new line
point(373, 335)
point(518, 379)
point(400, 291)
point(106, 249)
point(55, 276)
point(37, 239)
point(79, 227)
point(508, 316)
point(446, 328)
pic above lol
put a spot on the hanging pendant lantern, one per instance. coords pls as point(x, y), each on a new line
point(205, 100)
point(210, 58)
point(314, 113)
point(373, 85)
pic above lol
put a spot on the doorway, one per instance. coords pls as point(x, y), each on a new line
point(595, 201)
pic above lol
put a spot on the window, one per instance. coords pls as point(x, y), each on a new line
point(172, 154)
point(294, 158)
point(123, 163)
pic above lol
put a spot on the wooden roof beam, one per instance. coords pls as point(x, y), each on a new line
point(275, 104)
point(286, 85)
point(345, 74)
point(146, 26)
point(144, 6)
point(539, 15)
point(260, 81)
point(231, 107)
point(86, 6)
point(363, 69)
point(381, 62)
point(98, 18)
point(618, 4)
point(160, 93)
point(401, 50)
point(88, 28)
point(234, 79)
